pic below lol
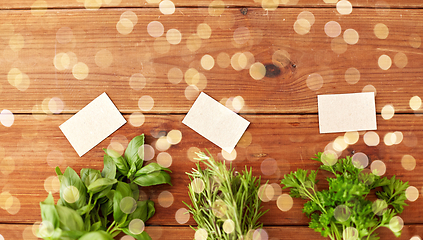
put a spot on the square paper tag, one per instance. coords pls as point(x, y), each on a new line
point(347, 112)
point(215, 122)
point(92, 124)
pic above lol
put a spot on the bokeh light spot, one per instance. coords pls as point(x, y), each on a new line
point(7, 118)
point(167, 7)
point(302, 26)
point(80, 71)
point(378, 168)
point(71, 194)
point(284, 202)
point(137, 119)
point(146, 103)
point(344, 7)
point(415, 40)
point(381, 31)
point(136, 226)
point(204, 31)
point(384, 62)
point(103, 58)
point(350, 233)
point(408, 162)
point(412, 193)
point(388, 112)
point(351, 137)
point(351, 36)
point(229, 156)
point(332, 29)
point(162, 144)
point(155, 29)
point(128, 205)
point(216, 8)
point(371, 138)
point(360, 160)
point(201, 234)
point(257, 71)
point(207, 62)
point(182, 216)
point(165, 199)
point(415, 103)
point(124, 26)
point(197, 185)
point(173, 36)
point(400, 60)
point(228, 226)
point(314, 81)
point(342, 213)
point(175, 75)
point(352, 75)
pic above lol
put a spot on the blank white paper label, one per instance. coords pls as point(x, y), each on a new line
point(347, 112)
point(215, 122)
point(92, 124)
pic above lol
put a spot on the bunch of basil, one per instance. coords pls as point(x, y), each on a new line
point(100, 205)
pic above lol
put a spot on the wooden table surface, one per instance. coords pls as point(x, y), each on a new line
point(58, 55)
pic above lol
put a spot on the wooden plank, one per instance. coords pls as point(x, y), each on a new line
point(25, 232)
point(31, 4)
point(33, 148)
point(86, 33)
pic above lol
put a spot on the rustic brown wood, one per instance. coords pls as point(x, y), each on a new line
point(28, 4)
point(24, 232)
point(37, 146)
point(134, 53)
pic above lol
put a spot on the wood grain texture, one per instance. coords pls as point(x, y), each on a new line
point(24, 232)
point(28, 4)
point(86, 33)
point(36, 147)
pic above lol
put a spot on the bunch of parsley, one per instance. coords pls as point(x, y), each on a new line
point(100, 205)
point(342, 211)
point(226, 203)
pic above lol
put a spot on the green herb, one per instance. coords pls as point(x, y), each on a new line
point(225, 203)
point(342, 211)
point(100, 205)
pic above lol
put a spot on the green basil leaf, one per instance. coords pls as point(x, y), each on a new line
point(73, 190)
point(131, 152)
point(150, 168)
point(107, 207)
point(100, 195)
point(119, 161)
point(142, 236)
point(96, 226)
point(88, 176)
point(133, 170)
point(97, 235)
point(101, 184)
point(139, 213)
point(71, 235)
point(109, 169)
point(69, 219)
point(122, 190)
point(87, 224)
point(151, 209)
point(135, 191)
point(49, 212)
point(58, 172)
point(154, 178)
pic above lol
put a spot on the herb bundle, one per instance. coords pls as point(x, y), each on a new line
point(343, 211)
point(225, 203)
point(100, 205)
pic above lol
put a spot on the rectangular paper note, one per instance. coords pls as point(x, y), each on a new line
point(92, 124)
point(215, 122)
point(347, 112)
